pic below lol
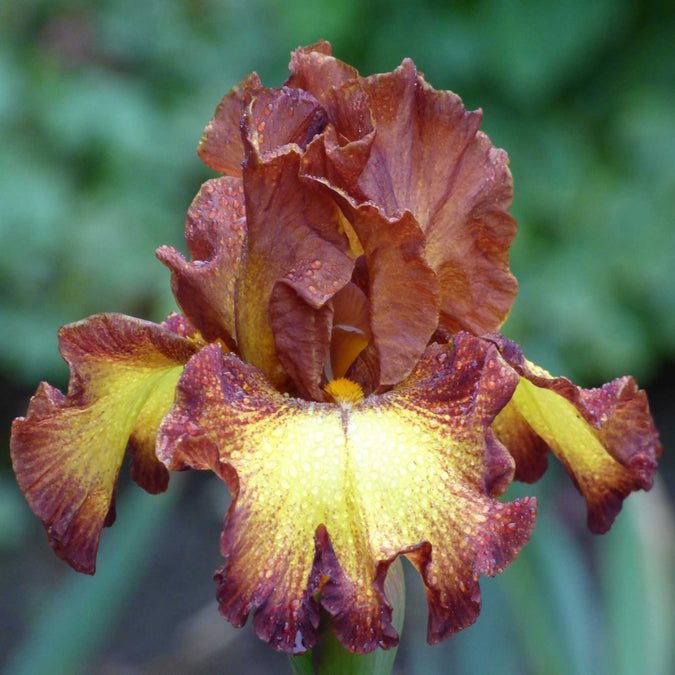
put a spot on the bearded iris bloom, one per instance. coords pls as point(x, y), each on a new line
point(337, 364)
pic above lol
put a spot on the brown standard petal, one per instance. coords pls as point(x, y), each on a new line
point(215, 230)
point(221, 147)
point(294, 239)
point(429, 158)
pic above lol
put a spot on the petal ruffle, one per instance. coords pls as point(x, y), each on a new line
point(605, 437)
point(67, 451)
point(221, 147)
point(456, 184)
point(429, 158)
point(404, 307)
point(276, 118)
point(313, 261)
point(315, 70)
point(215, 230)
point(325, 496)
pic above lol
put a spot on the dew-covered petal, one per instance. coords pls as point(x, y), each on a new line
point(276, 118)
point(67, 451)
point(403, 289)
point(316, 71)
point(294, 237)
point(221, 147)
point(215, 230)
point(429, 158)
point(302, 338)
point(605, 437)
point(326, 495)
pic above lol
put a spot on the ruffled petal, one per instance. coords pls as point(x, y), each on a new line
point(404, 307)
point(313, 260)
point(605, 437)
point(315, 70)
point(215, 230)
point(428, 157)
point(221, 147)
point(67, 451)
point(280, 117)
point(325, 496)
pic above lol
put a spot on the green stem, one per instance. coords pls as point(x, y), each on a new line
point(329, 657)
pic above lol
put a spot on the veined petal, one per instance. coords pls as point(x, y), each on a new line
point(404, 308)
point(221, 147)
point(313, 260)
point(67, 451)
point(326, 495)
point(215, 229)
point(429, 158)
point(276, 118)
point(315, 70)
point(605, 437)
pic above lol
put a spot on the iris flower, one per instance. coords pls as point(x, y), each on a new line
point(337, 364)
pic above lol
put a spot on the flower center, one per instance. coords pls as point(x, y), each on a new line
point(343, 391)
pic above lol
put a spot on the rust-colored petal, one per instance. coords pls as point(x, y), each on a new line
point(221, 147)
point(294, 237)
point(315, 345)
point(302, 338)
point(276, 118)
point(316, 71)
point(340, 154)
point(326, 495)
point(350, 333)
point(605, 437)
point(67, 451)
point(429, 158)
point(402, 289)
point(215, 229)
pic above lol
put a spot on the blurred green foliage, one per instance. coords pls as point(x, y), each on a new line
point(102, 103)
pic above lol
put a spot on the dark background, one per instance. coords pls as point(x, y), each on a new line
point(101, 107)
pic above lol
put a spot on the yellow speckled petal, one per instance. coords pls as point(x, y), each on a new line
point(67, 451)
point(326, 495)
point(605, 437)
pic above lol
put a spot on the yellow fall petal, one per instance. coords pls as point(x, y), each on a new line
point(605, 437)
point(326, 495)
point(583, 448)
point(67, 451)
